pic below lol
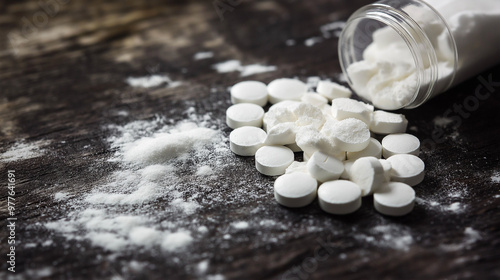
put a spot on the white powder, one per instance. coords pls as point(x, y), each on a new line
point(204, 170)
point(442, 121)
point(60, 196)
point(290, 42)
point(152, 81)
point(312, 41)
point(247, 70)
point(332, 28)
point(22, 151)
point(471, 236)
point(202, 266)
point(203, 55)
point(495, 178)
point(389, 236)
point(154, 163)
point(240, 225)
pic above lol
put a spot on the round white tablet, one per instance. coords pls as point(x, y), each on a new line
point(407, 169)
point(286, 89)
point(374, 149)
point(324, 167)
point(249, 92)
point(339, 197)
point(401, 143)
point(368, 174)
point(244, 114)
point(273, 160)
point(351, 135)
point(347, 167)
point(281, 134)
point(344, 108)
point(295, 189)
point(246, 140)
point(384, 123)
point(394, 199)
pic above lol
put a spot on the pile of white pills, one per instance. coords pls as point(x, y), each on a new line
point(343, 160)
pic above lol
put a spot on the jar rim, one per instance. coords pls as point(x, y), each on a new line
point(419, 44)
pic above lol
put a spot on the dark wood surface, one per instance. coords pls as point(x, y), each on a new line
point(63, 82)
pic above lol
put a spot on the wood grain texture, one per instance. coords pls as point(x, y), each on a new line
point(64, 81)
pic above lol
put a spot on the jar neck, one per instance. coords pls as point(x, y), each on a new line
point(408, 19)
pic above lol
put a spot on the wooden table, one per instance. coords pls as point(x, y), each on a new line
point(62, 81)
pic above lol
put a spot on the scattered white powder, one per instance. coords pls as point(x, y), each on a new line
point(235, 65)
point(60, 196)
point(332, 28)
point(155, 162)
point(256, 69)
point(495, 178)
point(22, 151)
point(313, 41)
point(389, 236)
point(442, 121)
point(204, 170)
point(152, 81)
point(173, 241)
point(215, 277)
point(471, 236)
point(227, 66)
point(203, 55)
point(290, 42)
point(240, 225)
point(456, 207)
point(203, 229)
point(202, 267)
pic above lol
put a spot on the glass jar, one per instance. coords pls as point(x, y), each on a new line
point(399, 54)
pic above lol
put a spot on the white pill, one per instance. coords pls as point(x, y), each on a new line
point(401, 143)
point(387, 169)
point(249, 92)
point(281, 134)
point(276, 116)
point(282, 104)
point(297, 166)
point(295, 189)
point(368, 174)
point(314, 99)
point(306, 157)
point(273, 160)
point(246, 140)
point(374, 149)
point(285, 89)
point(394, 199)
point(385, 123)
point(307, 115)
point(324, 168)
point(407, 169)
point(333, 90)
point(351, 135)
point(339, 197)
point(310, 141)
point(344, 108)
point(244, 114)
point(347, 168)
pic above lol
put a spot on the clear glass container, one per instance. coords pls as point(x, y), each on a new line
point(399, 54)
